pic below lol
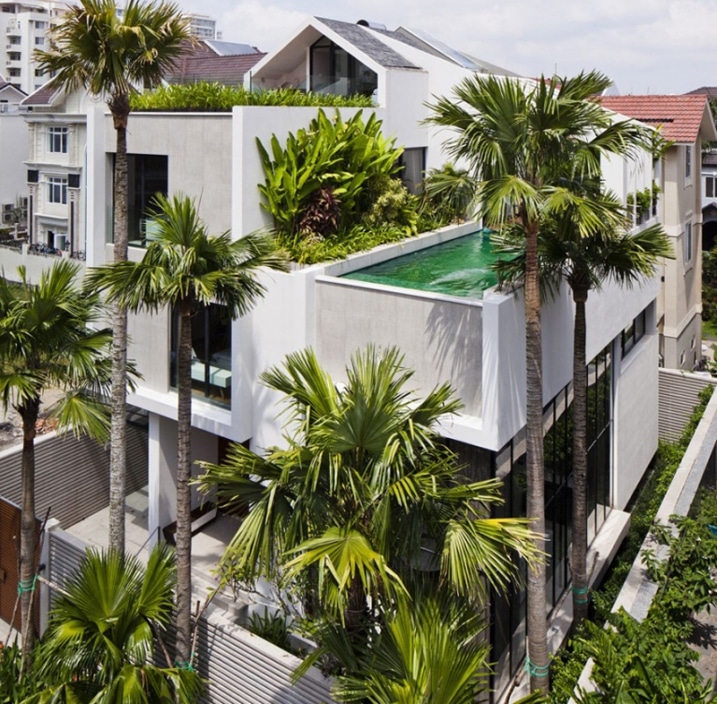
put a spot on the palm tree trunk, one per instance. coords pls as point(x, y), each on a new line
point(580, 461)
point(183, 535)
point(535, 471)
point(118, 454)
point(29, 412)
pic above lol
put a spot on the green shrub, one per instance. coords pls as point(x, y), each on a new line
point(330, 189)
point(568, 665)
point(204, 96)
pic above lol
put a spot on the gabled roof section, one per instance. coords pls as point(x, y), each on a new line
point(10, 93)
point(222, 48)
point(228, 70)
point(682, 118)
point(364, 40)
point(709, 91)
point(43, 97)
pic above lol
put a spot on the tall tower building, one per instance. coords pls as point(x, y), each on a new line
point(23, 28)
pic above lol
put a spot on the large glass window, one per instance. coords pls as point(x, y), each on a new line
point(147, 177)
point(57, 139)
point(211, 354)
point(508, 619)
point(335, 71)
point(688, 242)
point(57, 189)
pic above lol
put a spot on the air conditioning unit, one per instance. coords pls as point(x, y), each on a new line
point(7, 207)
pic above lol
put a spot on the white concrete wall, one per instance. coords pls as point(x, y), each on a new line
point(636, 417)
point(98, 185)
point(199, 151)
point(440, 336)
point(162, 503)
point(13, 151)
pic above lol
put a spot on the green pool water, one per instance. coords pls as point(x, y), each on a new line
point(461, 267)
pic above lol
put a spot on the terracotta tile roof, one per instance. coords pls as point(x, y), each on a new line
point(228, 70)
point(680, 116)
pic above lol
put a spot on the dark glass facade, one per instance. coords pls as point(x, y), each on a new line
point(508, 620)
point(333, 70)
point(211, 355)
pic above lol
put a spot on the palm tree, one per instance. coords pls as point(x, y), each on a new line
point(427, 652)
point(99, 644)
point(94, 48)
point(186, 269)
point(611, 252)
point(45, 343)
point(366, 505)
point(517, 137)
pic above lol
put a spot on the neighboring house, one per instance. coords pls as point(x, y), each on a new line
point(23, 27)
point(709, 179)
point(56, 168)
point(475, 344)
point(686, 122)
point(217, 62)
point(13, 148)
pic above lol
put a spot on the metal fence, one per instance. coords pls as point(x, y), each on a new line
point(678, 397)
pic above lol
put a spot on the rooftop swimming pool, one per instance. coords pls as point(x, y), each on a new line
point(461, 267)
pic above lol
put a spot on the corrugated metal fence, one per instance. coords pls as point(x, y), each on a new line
point(678, 397)
point(241, 668)
point(72, 476)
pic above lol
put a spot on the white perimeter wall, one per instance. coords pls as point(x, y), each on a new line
point(13, 153)
point(636, 418)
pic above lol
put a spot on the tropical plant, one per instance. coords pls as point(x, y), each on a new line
point(365, 505)
point(186, 269)
point(651, 661)
point(99, 648)
point(350, 162)
point(517, 137)
point(609, 252)
point(109, 54)
point(203, 96)
point(45, 343)
point(451, 191)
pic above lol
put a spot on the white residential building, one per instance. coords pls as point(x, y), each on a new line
point(23, 29)
point(475, 344)
point(685, 122)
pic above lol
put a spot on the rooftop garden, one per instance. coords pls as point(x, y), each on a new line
point(334, 188)
point(215, 97)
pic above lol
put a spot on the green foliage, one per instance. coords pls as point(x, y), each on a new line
point(568, 666)
point(709, 285)
point(393, 204)
point(100, 643)
point(271, 627)
point(106, 53)
point(13, 688)
point(363, 507)
point(351, 161)
point(451, 192)
point(204, 96)
point(650, 660)
point(643, 202)
point(184, 264)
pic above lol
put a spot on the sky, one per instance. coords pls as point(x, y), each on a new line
point(645, 46)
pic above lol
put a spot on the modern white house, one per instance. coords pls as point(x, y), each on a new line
point(476, 342)
point(685, 121)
